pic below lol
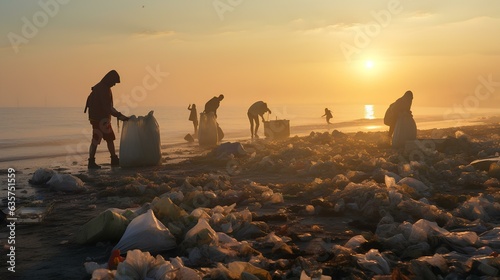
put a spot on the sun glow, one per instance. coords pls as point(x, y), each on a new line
point(369, 64)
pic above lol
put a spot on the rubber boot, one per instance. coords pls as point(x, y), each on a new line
point(92, 164)
point(115, 161)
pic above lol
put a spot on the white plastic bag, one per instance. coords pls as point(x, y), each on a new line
point(140, 143)
point(202, 233)
point(107, 226)
point(208, 131)
point(146, 233)
point(66, 183)
point(374, 262)
point(42, 176)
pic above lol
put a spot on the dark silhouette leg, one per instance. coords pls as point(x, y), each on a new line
point(250, 118)
point(92, 152)
point(195, 124)
point(111, 148)
point(257, 124)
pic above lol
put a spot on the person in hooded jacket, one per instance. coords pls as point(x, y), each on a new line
point(402, 106)
point(399, 118)
point(100, 107)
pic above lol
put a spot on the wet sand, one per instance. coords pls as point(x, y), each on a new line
point(305, 170)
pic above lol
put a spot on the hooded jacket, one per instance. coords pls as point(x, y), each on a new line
point(100, 100)
point(396, 109)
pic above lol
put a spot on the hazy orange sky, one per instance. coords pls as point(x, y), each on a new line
point(283, 51)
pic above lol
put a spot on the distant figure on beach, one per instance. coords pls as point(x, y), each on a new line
point(399, 118)
point(100, 105)
point(213, 104)
point(193, 116)
point(328, 115)
point(257, 109)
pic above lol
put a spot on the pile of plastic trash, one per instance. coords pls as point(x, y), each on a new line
point(436, 217)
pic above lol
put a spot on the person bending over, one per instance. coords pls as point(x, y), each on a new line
point(257, 109)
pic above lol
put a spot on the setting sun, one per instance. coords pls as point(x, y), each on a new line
point(369, 64)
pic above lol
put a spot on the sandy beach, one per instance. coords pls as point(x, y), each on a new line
point(308, 196)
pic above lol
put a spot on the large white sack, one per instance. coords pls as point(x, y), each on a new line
point(208, 132)
point(147, 234)
point(140, 143)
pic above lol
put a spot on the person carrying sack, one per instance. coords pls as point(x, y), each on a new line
point(399, 118)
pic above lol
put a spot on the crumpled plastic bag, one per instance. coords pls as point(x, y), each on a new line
point(66, 183)
point(166, 210)
point(491, 237)
point(415, 184)
point(142, 265)
point(103, 274)
point(436, 260)
point(42, 176)
point(374, 261)
point(146, 233)
point(201, 234)
point(107, 226)
point(423, 229)
point(355, 242)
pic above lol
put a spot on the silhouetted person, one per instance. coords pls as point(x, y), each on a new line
point(100, 105)
point(213, 104)
point(328, 115)
point(257, 109)
point(401, 122)
point(401, 106)
point(193, 116)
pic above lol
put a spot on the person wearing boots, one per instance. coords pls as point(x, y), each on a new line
point(100, 106)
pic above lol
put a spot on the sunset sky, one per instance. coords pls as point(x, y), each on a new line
point(281, 51)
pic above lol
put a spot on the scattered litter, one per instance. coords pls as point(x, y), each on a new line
point(32, 215)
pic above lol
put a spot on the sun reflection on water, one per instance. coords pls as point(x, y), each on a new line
point(369, 112)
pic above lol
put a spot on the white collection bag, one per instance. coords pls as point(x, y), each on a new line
point(140, 143)
point(208, 132)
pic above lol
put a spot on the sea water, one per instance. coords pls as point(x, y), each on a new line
point(50, 132)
